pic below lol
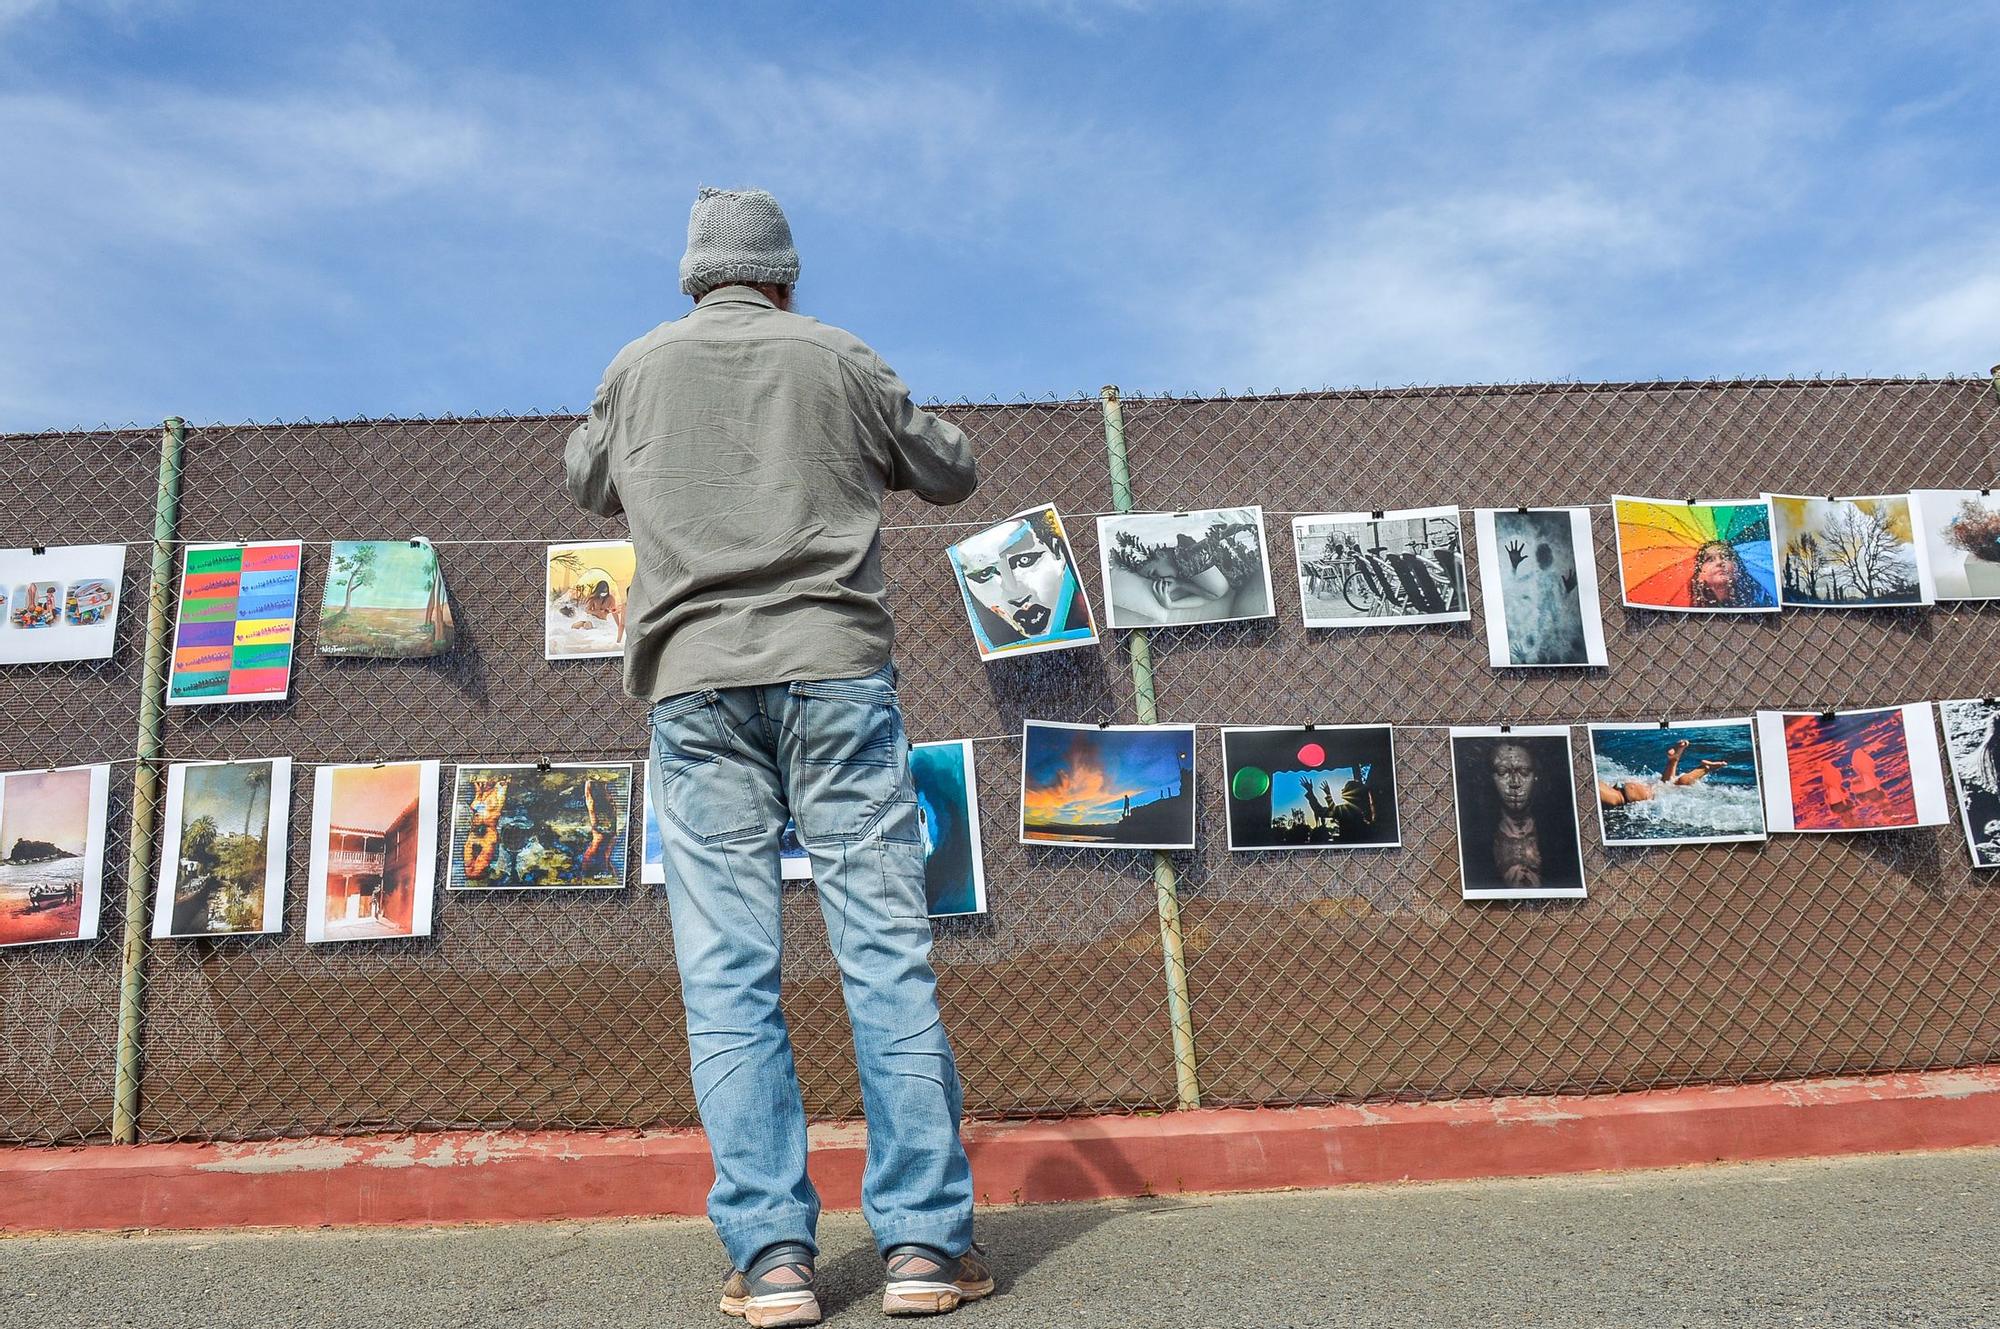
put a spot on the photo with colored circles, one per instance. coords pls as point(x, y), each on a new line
point(1311, 787)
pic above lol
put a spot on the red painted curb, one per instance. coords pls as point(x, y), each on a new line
point(462, 1177)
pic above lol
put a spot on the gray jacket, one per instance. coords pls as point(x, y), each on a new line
point(749, 450)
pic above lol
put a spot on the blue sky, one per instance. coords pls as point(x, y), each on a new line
point(239, 211)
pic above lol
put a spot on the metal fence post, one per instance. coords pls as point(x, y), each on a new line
point(1166, 884)
point(145, 788)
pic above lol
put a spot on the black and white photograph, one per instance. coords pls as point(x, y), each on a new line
point(1161, 569)
point(1311, 787)
point(1515, 794)
point(1972, 741)
point(1538, 580)
point(1380, 569)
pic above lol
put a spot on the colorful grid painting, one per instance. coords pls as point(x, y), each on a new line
point(239, 611)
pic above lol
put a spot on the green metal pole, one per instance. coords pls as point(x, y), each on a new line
point(1166, 885)
point(146, 787)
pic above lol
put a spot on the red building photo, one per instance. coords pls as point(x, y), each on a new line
point(372, 852)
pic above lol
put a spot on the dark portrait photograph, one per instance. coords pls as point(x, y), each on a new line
point(1517, 825)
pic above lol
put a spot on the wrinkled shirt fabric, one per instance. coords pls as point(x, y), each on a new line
point(749, 449)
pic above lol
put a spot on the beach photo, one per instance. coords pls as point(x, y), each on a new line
point(1865, 770)
point(1708, 556)
point(1113, 786)
point(526, 827)
point(1514, 795)
point(60, 604)
point(1959, 530)
point(1379, 569)
point(1021, 587)
point(1538, 581)
point(588, 585)
point(1972, 742)
point(1311, 787)
point(1854, 553)
point(373, 861)
point(222, 860)
point(1161, 569)
point(1686, 782)
point(385, 599)
point(948, 819)
point(51, 853)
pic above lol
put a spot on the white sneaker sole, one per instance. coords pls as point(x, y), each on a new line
point(915, 1296)
point(774, 1310)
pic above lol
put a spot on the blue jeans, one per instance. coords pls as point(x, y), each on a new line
point(727, 767)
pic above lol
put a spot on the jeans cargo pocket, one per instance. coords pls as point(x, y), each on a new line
point(704, 789)
point(850, 762)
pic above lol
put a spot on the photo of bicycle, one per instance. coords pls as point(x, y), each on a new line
point(1381, 568)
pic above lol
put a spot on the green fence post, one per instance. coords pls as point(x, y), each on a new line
point(1166, 885)
point(146, 788)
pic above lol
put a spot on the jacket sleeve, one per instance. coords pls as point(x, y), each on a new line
point(931, 458)
point(587, 458)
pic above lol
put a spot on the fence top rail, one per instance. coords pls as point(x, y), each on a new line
point(137, 433)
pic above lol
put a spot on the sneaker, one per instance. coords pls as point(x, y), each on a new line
point(924, 1281)
point(777, 1289)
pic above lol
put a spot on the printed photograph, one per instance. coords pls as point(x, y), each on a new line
point(1960, 533)
point(385, 599)
point(1538, 579)
point(652, 852)
point(1708, 557)
point(222, 863)
point(1870, 770)
point(1311, 787)
point(374, 851)
point(1116, 787)
point(51, 853)
point(1848, 553)
point(1691, 782)
point(1360, 569)
point(1518, 837)
point(794, 863)
point(59, 605)
point(1021, 587)
point(238, 615)
point(1972, 739)
point(520, 827)
point(948, 818)
point(588, 586)
point(1162, 568)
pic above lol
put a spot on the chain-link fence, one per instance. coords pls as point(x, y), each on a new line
point(1313, 977)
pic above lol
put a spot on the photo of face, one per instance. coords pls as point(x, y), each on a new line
point(1161, 569)
point(1517, 822)
point(1021, 591)
point(1708, 556)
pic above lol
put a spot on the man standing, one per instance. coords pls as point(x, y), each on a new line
point(749, 449)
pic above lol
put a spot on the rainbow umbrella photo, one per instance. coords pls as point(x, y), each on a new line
point(1712, 556)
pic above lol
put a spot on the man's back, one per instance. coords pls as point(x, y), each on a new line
point(749, 448)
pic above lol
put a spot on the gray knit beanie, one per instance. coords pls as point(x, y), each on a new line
point(737, 235)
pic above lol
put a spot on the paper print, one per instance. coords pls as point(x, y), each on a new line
point(1866, 770)
point(222, 859)
point(374, 851)
point(238, 614)
point(1848, 552)
point(1972, 738)
point(1538, 577)
point(948, 819)
point(1708, 557)
point(52, 828)
point(794, 864)
point(1311, 787)
point(1515, 799)
point(1115, 786)
point(1161, 569)
point(1686, 782)
point(1363, 569)
point(522, 827)
point(60, 604)
point(385, 599)
point(1021, 588)
point(1959, 530)
point(589, 585)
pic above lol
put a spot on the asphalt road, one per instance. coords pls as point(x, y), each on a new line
point(1898, 1240)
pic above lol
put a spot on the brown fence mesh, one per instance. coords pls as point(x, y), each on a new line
point(1313, 977)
